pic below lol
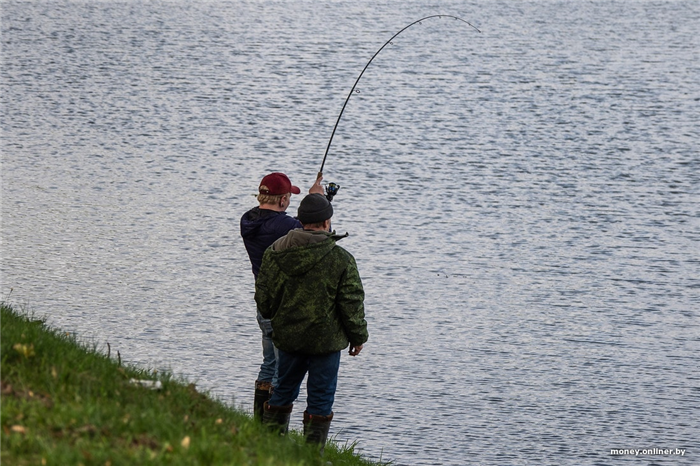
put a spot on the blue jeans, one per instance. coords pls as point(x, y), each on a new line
point(268, 368)
point(320, 386)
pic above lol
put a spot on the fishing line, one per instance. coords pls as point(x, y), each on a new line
point(320, 172)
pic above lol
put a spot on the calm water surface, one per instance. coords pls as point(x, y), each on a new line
point(523, 204)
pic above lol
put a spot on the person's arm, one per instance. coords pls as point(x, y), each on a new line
point(263, 297)
point(350, 302)
point(316, 188)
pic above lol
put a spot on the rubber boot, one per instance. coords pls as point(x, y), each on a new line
point(262, 394)
point(316, 428)
point(277, 417)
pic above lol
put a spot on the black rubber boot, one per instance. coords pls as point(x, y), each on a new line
point(262, 394)
point(277, 417)
point(316, 428)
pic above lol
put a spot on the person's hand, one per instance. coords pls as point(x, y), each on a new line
point(316, 188)
point(355, 350)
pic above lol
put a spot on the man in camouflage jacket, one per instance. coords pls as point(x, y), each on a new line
point(311, 290)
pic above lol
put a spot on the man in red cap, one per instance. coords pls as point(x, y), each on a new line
point(260, 227)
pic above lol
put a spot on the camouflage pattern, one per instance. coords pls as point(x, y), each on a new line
point(311, 290)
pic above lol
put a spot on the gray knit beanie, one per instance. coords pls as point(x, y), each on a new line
point(314, 208)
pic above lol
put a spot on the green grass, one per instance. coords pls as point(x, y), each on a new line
point(65, 403)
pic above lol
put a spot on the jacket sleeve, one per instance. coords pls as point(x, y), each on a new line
point(284, 224)
point(350, 302)
point(263, 287)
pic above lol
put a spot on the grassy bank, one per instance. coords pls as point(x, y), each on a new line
point(65, 403)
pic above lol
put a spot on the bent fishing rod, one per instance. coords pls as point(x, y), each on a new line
point(332, 188)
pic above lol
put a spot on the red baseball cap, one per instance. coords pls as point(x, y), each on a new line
point(277, 183)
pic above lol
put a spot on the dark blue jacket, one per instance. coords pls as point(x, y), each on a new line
point(262, 227)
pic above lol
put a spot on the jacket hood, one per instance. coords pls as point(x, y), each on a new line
point(259, 221)
point(300, 250)
point(252, 221)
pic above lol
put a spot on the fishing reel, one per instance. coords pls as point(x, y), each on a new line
point(331, 190)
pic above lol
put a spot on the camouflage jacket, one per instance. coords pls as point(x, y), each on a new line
point(311, 290)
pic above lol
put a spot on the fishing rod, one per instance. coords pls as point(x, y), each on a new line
point(332, 188)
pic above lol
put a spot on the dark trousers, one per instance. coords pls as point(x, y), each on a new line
point(320, 386)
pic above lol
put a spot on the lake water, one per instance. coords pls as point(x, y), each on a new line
point(523, 204)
